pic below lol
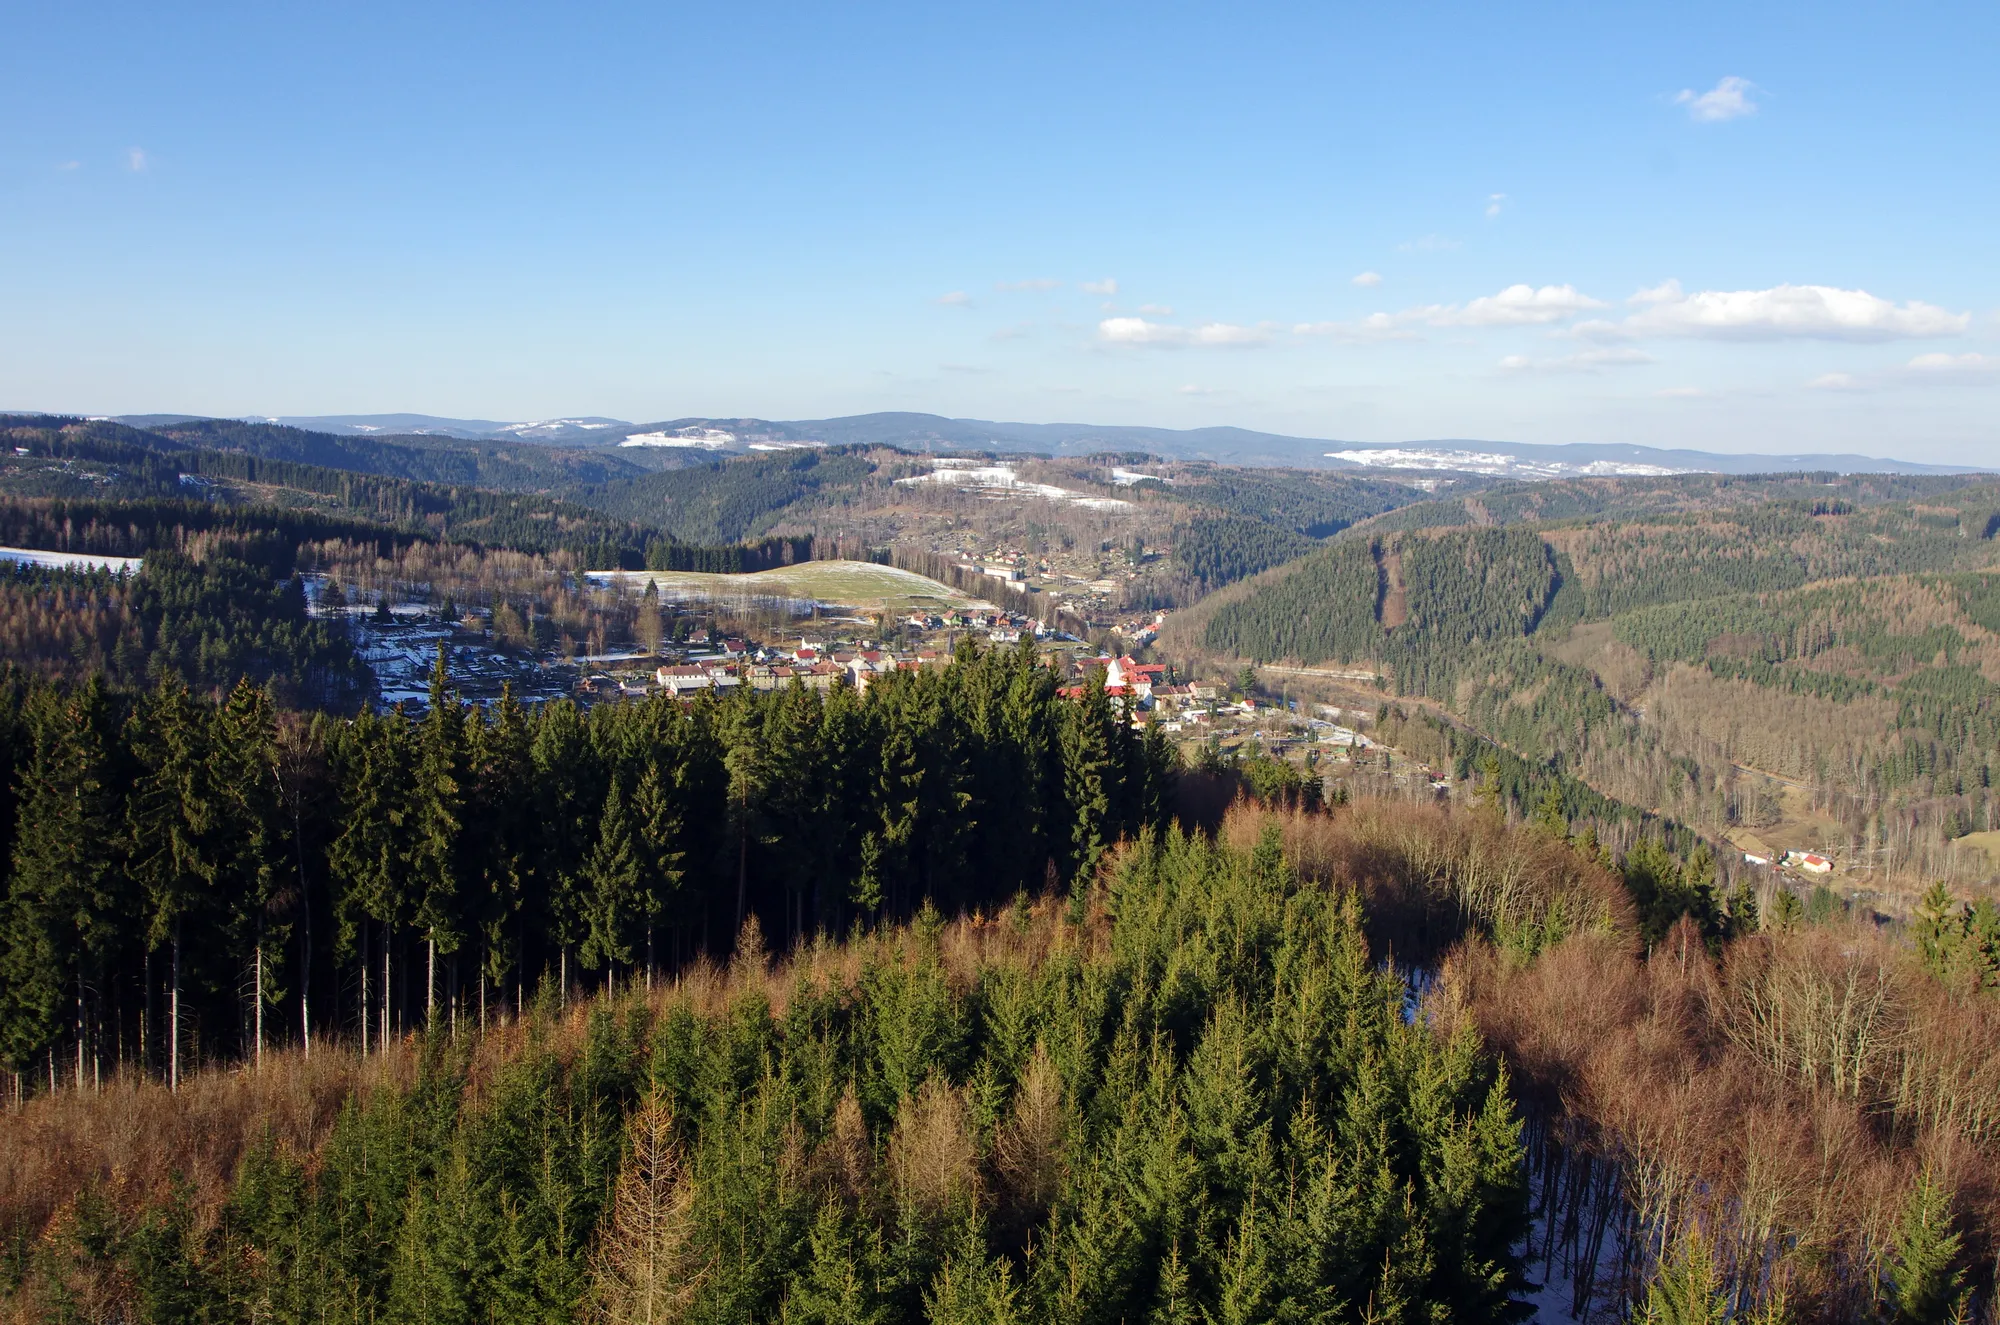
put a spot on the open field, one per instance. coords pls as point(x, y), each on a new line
point(861, 585)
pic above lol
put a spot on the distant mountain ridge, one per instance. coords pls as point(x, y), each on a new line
point(1238, 446)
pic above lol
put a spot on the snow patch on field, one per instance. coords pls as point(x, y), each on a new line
point(859, 584)
point(1496, 463)
point(702, 439)
point(1003, 481)
point(70, 560)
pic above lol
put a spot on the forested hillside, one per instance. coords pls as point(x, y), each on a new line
point(1190, 1089)
point(1840, 642)
point(244, 866)
point(726, 502)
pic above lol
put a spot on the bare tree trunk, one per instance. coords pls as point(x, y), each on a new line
point(364, 989)
point(306, 954)
point(742, 871)
point(174, 1017)
point(257, 1017)
point(430, 979)
point(387, 986)
point(79, 1030)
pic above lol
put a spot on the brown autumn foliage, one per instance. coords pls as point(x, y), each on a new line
point(1428, 873)
point(646, 1270)
point(1782, 1099)
point(933, 1152)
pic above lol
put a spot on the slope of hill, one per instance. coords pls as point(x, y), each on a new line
point(1827, 663)
point(1236, 446)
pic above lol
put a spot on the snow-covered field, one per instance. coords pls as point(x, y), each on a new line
point(1496, 463)
point(1003, 481)
point(862, 585)
point(70, 560)
point(702, 439)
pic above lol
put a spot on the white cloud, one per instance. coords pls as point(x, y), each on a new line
point(1156, 310)
point(1107, 286)
point(1783, 312)
point(1727, 100)
point(1494, 202)
point(1974, 367)
point(1033, 283)
point(1517, 305)
point(1588, 361)
point(956, 299)
point(1923, 370)
point(1368, 279)
point(1138, 331)
point(135, 158)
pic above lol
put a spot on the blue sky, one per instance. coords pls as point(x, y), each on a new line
point(1761, 228)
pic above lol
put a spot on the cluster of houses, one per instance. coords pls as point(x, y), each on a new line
point(1805, 862)
point(1149, 687)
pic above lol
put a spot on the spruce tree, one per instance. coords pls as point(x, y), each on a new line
point(245, 752)
point(66, 898)
point(177, 814)
point(436, 846)
point(1927, 1284)
point(614, 903)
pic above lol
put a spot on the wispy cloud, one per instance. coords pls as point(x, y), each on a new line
point(1959, 367)
point(1033, 283)
point(1925, 370)
point(1783, 312)
point(1368, 280)
point(70, 165)
point(1107, 287)
point(1727, 100)
point(1516, 306)
point(1494, 203)
point(1374, 327)
point(956, 299)
point(1587, 361)
point(1139, 331)
point(135, 158)
point(1156, 310)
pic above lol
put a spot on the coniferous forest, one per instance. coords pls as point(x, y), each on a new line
point(960, 999)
